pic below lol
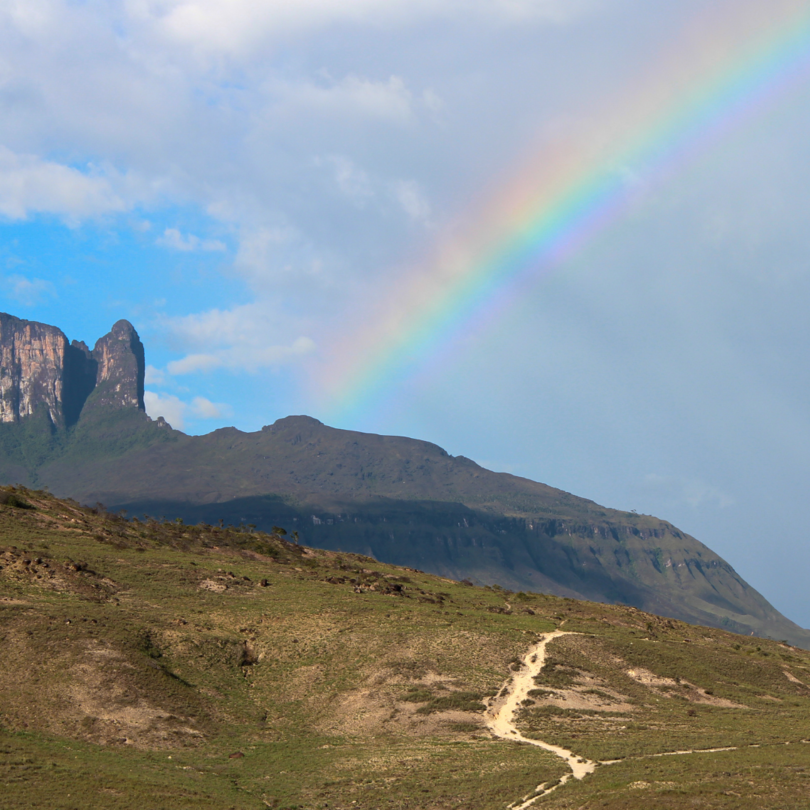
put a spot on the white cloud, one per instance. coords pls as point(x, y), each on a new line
point(237, 27)
point(690, 491)
point(432, 100)
point(173, 239)
point(412, 200)
point(352, 181)
point(358, 186)
point(30, 185)
point(243, 324)
point(522, 11)
point(243, 357)
point(205, 409)
point(353, 95)
point(259, 248)
point(246, 338)
point(281, 262)
point(194, 362)
point(28, 291)
point(170, 407)
point(175, 411)
point(30, 17)
point(154, 376)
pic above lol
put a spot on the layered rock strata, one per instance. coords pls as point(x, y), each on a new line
point(120, 367)
point(41, 370)
point(32, 365)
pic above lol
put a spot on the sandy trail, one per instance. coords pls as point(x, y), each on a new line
point(500, 718)
point(700, 751)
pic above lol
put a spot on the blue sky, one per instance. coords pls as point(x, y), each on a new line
point(242, 179)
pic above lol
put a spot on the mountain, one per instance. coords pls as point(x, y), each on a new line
point(148, 664)
point(397, 499)
point(40, 370)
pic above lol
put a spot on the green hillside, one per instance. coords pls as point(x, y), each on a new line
point(399, 500)
point(150, 664)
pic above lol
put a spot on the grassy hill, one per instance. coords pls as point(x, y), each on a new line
point(150, 664)
point(399, 500)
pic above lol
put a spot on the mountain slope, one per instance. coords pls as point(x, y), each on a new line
point(397, 499)
point(151, 664)
point(410, 503)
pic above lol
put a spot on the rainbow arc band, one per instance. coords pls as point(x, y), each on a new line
point(707, 87)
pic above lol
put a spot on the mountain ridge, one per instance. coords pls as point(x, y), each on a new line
point(401, 500)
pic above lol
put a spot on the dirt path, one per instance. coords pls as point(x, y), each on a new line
point(700, 751)
point(500, 718)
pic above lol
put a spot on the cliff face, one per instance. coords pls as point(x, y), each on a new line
point(39, 369)
point(120, 362)
point(32, 363)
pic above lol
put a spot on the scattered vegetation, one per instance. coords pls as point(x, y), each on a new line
point(156, 663)
point(8, 498)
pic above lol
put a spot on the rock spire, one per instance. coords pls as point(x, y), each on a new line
point(41, 371)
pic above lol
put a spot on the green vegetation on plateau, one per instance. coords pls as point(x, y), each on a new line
point(400, 500)
point(157, 664)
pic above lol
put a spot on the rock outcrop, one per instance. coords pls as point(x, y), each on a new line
point(32, 369)
point(41, 371)
point(119, 357)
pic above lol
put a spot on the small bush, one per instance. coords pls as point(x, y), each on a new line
point(456, 701)
point(418, 696)
point(12, 499)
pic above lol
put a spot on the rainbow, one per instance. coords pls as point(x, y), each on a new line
point(720, 74)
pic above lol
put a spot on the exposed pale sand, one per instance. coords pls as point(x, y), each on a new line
point(694, 694)
point(676, 753)
point(501, 711)
point(500, 718)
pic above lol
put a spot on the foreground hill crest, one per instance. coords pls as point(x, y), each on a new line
point(156, 664)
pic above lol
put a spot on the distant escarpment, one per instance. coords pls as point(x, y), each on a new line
point(75, 422)
point(41, 372)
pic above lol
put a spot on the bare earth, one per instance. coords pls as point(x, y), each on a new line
point(500, 717)
point(501, 711)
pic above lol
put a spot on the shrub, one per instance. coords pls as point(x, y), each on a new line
point(12, 499)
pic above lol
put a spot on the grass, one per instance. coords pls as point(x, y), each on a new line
point(776, 776)
point(397, 499)
point(159, 664)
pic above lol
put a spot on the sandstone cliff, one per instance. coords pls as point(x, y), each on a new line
point(120, 361)
point(32, 364)
point(40, 370)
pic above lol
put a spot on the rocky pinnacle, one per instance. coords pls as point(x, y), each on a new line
point(41, 371)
